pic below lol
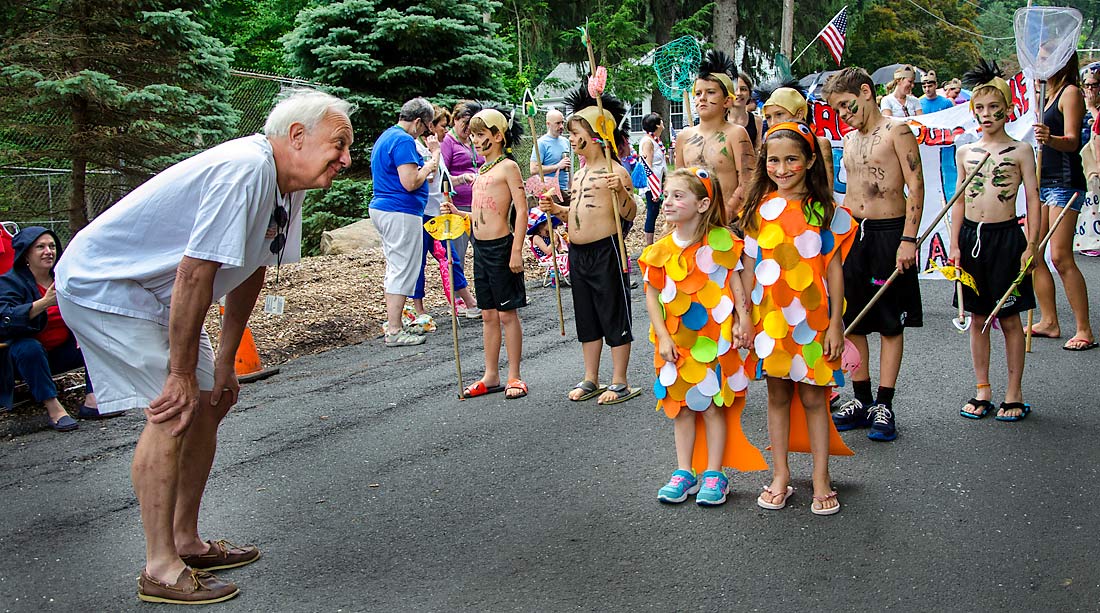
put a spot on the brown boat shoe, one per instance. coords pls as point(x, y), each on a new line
point(192, 587)
point(221, 555)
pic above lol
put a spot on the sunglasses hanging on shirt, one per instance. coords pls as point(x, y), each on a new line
point(280, 219)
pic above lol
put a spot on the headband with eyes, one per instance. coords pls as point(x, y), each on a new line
point(704, 178)
point(798, 128)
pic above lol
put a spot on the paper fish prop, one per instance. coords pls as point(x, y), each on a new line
point(955, 273)
point(447, 227)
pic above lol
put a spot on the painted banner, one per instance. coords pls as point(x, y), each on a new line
point(1087, 237)
point(938, 134)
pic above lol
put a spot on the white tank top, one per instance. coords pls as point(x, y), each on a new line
point(659, 163)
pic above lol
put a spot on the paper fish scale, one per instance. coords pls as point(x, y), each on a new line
point(792, 314)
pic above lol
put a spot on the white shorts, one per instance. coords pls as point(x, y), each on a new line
point(127, 357)
point(403, 245)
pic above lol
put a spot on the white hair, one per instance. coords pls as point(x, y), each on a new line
point(305, 106)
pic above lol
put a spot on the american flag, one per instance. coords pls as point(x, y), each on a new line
point(833, 34)
point(652, 179)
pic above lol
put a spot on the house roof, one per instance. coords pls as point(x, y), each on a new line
point(562, 78)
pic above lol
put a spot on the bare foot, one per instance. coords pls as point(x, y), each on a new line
point(777, 491)
point(1046, 331)
point(606, 397)
point(576, 393)
point(824, 496)
point(1015, 411)
point(983, 393)
point(825, 502)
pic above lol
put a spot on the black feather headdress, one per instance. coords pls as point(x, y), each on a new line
point(584, 107)
point(987, 74)
point(983, 73)
point(716, 61)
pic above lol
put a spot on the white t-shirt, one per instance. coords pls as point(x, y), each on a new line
point(214, 206)
point(909, 109)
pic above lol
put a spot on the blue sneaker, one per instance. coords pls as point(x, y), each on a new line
point(682, 484)
point(714, 490)
point(882, 423)
point(851, 415)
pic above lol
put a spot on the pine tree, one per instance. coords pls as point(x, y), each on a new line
point(380, 54)
point(128, 85)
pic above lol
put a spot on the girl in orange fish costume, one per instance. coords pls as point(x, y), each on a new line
point(699, 315)
point(795, 239)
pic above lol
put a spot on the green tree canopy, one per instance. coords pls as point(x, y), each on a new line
point(129, 85)
point(380, 54)
point(253, 29)
point(892, 32)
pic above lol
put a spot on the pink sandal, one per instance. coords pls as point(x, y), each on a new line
point(774, 506)
point(822, 510)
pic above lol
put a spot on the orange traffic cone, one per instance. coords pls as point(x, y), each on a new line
point(247, 361)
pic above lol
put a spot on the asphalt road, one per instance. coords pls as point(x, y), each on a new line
point(370, 487)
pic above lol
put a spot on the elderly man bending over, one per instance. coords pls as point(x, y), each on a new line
point(135, 285)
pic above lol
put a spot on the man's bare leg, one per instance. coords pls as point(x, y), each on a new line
point(620, 359)
point(816, 401)
point(1015, 342)
point(394, 304)
point(513, 345)
point(1061, 253)
point(779, 434)
point(591, 351)
point(196, 458)
point(889, 359)
point(155, 474)
point(979, 354)
point(490, 329)
point(1043, 283)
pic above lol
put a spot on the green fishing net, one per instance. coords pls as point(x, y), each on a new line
point(676, 64)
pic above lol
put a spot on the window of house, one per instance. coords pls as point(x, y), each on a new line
point(676, 114)
point(636, 116)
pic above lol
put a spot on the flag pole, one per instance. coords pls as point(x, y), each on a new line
point(814, 40)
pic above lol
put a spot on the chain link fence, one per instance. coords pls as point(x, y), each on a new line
point(33, 196)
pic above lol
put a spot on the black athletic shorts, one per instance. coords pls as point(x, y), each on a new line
point(497, 287)
point(869, 264)
point(991, 254)
point(601, 292)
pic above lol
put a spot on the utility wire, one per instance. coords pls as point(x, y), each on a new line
point(987, 12)
point(960, 28)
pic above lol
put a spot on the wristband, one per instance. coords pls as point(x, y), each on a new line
point(908, 239)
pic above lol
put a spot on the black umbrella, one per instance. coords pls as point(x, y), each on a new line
point(884, 75)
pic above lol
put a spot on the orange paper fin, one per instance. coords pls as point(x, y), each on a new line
point(800, 436)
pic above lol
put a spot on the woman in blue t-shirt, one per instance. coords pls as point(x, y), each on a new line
point(401, 177)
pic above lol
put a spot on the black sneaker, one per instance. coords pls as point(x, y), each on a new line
point(882, 424)
point(851, 415)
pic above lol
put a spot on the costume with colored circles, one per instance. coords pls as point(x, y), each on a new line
point(792, 247)
point(698, 307)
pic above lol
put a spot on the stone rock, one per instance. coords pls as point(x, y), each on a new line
point(359, 236)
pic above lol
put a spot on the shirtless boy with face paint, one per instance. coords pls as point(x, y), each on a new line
point(882, 160)
point(989, 243)
point(716, 144)
point(498, 250)
point(600, 288)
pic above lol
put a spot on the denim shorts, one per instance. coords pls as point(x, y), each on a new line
point(1059, 196)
